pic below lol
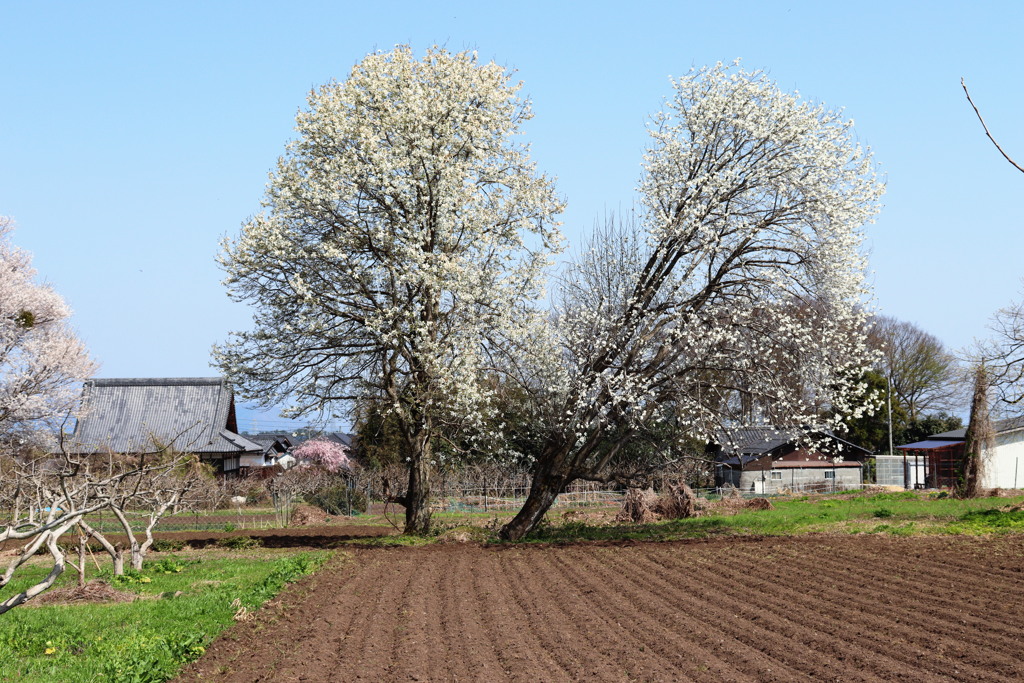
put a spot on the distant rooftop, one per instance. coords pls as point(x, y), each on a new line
point(132, 415)
point(766, 438)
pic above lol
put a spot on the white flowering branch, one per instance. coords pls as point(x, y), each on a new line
point(736, 297)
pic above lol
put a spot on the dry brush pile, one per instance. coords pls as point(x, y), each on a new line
point(643, 506)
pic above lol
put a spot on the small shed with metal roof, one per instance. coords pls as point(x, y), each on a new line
point(191, 414)
point(938, 458)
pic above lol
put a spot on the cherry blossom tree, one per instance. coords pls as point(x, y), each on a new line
point(41, 360)
point(328, 455)
point(741, 279)
point(401, 230)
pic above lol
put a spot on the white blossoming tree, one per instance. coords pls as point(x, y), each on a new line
point(401, 231)
point(42, 362)
point(737, 297)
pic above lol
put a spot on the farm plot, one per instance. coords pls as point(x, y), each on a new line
point(850, 608)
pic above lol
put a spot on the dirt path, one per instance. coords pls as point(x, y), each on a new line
point(850, 608)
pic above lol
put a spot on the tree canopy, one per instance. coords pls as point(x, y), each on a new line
point(742, 279)
point(42, 362)
point(401, 231)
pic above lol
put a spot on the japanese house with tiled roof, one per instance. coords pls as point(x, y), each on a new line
point(776, 459)
point(192, 414)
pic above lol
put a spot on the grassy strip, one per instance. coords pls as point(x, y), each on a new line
point(149, 639)
point(904, 513)
point(900, 513)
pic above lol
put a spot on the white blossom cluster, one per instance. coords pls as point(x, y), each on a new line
point(42, 362)
point(403, 232)
point(737, 296)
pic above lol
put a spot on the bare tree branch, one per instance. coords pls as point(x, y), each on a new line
point(983, 125)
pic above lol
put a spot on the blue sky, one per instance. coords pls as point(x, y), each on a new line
point(134, 136)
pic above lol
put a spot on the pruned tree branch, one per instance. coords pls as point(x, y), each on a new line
point(985, 126)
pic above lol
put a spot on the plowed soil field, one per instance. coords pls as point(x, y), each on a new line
point(308, 537)
point(812, 608)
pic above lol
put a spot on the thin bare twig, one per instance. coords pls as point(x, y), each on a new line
point(983, 125)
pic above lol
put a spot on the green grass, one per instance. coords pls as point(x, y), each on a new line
point(898, 513)
point(902, 514)
point(149, 639)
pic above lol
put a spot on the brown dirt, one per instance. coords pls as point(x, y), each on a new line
point(848, 608)
point(92, 592)
point(326, 536)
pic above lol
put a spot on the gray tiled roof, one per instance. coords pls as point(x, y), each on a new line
point(340, 438)
point(764, 439)
point(126, 415)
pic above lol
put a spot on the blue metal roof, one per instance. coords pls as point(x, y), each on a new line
point(927, 444)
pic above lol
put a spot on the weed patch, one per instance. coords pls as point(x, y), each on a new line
point(989, 521)
point(144, 640)
point(240, 543)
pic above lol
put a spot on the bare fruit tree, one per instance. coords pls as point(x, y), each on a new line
point(402, 227)
point(144, 488)
point(742, 280)
point(43, 497)
point(1002, 354)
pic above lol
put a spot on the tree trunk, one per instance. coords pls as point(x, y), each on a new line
point(137, 556)
point(51, 537)
point(548, 481)
point(978, 441)
point(417, 509)
point(115, 552)
point(82, 541)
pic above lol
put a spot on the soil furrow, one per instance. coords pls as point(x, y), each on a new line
point(613, 636)
point(801, 603)
point(415, 639)
point(471, 640)
point(932, 608)
point(677, 633)
point(628, 595)
point(815, 607)
point(788, 613)
point(781, 640)
point(569, 640)
point(522, 651)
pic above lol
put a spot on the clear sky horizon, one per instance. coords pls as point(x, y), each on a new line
point(135, 136)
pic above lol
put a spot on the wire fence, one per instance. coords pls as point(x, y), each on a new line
point(505, 493)
point(486, 499)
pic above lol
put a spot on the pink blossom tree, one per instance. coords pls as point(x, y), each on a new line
point(41, 359)
point(328, 455)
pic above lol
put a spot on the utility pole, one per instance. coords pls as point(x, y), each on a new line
point(888, 400)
